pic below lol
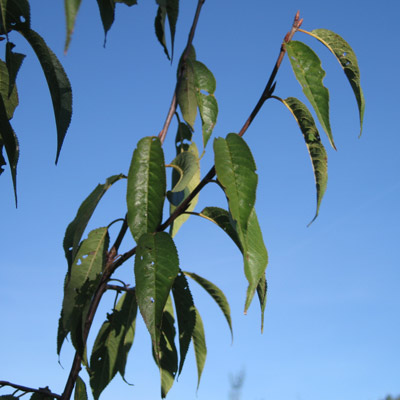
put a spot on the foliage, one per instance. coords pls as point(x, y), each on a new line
point(162, 291)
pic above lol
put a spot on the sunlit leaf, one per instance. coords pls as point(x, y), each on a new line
point(80, 285)
point(208, 108)
point(156, 266)
point(315, 148)
point(235, 168)
point(71, 10)
point(80, 390)
point(13, 62)
point(205, 79)
point(75, 229)
point(112, 344)
point(186, 315)
point(58, 82)
point(348, 60)
point(262, 297)
point(146, 187)
point(307, 68)
point(199, 344)
point(217, 294)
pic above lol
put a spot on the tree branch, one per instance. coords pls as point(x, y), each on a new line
point(45, 391)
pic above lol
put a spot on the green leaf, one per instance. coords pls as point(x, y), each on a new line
point(255, 256)
point(127, 2)
point(10, 100)
point(156, 267)
point(75, 229)
point(217, 294)
point(348, 60)
point(146, 187)
point(199, 344)
point(2, 160)
point(80, 286)
point(168, 356)
point(107, 14)
point(262, 297)
point(186, 315)
point(71, 11)
point(80, 390)
point(14, 15)
point(183, 133)
point(186, 94)
point(9, 397)
point(183, 185)
point(208, 108)
point(10, 142)
point(169, 8)
point(222, 218)
point(112, 344)
point(58, 82)
point(307, 68)
point(14, 62)
point(319, 158)
point(205, 79)
point(235, 168)
point(41, 396)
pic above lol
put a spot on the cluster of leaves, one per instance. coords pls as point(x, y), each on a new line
point(161, 290)
point(15, 17)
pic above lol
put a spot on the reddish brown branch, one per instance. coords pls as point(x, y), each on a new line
point(44, 391)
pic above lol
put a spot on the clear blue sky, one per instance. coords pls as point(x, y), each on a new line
point(332, 318)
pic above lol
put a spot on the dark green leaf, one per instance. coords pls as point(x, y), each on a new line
point(307, 68)
point(183, 185)
point(348, 60)
point(9, 397)
point(41, 396)
point(107, 14)
point(71, 11)
point(2, 160)
point(14, 15)
point(146, 187)
point(183, 134)
point(74, 232)
point(186, 315)
point(204, 77)
point(186, 95)
point(14, 62)
point(208, 108)
point(199, 344)
point(112, 344)
point(235, 169)
point(222, 218)
point(262, 297)
point(80, 390)
point(58, 82)
point(10, 100)
point(217, 294)
point(156, 266)
point(127, 2)
point(315, 148)
point(80, 285)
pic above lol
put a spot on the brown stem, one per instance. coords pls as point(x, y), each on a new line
point(44, 391)
point(174, 103)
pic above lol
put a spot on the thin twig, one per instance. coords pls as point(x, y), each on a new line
point(174, 102)
point(44, 391)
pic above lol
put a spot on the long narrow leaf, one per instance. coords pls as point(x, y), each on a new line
point(58, 82)
point(146, 187)
point(199, 344)
point(208, 108)
point(14, 62)
point(75, 229)
point(319, 158)
point(307, 68)
point(10, 99)
point(186, 95)
point(262, 297)
point(71, 10)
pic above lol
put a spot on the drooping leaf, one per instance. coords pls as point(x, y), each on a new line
point(107, 14)
point(217, 294)
point(14, 15)
point(71, 10)
point(75, 229)
point(208, 108)
point(10, 100)
point(80, 285)
point(186, 315)
point(262, 297)
point(58, 82)
point(10, 142)
point(156, 266)
point(315, 148)
point(168, 356)
point(205, 79)
point(112, 344)
point(348, 60)
point(146, 187)
point(307, 68)
point(222, 218)
point(235, 168)
point(188, 163)
point(186, 95)
point(80, 390)
point(13, 62)
point(199, 344)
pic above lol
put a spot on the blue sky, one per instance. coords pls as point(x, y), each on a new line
point(332, 317)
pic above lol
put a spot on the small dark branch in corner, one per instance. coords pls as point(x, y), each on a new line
point(120, 289)
point(44, 391)
point(174, 105)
